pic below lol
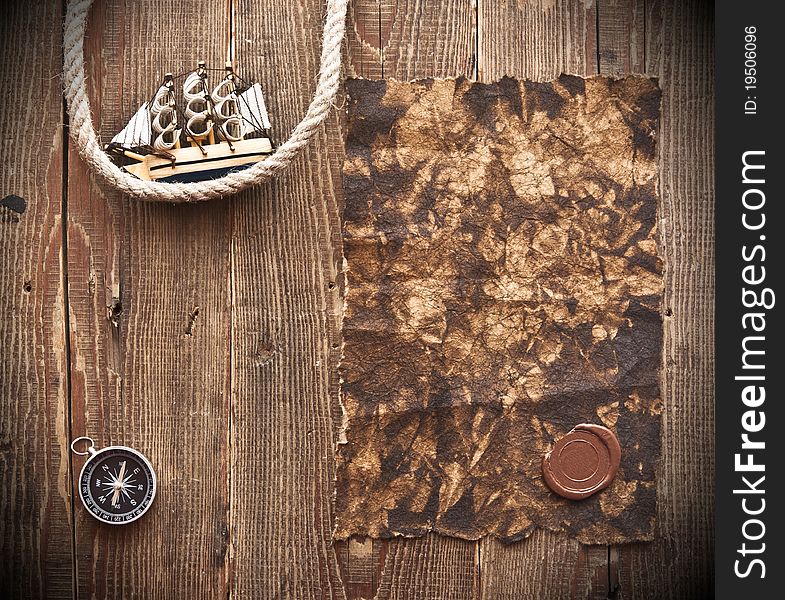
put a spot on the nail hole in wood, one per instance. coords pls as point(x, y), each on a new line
point(189, 329)
point(113, 311)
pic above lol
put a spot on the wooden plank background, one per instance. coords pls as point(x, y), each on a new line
point(209, 336)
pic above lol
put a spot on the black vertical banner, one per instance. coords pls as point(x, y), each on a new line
point(750, 453)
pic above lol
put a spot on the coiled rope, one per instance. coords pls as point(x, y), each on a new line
point(83, 132)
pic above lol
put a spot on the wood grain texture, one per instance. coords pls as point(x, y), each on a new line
point(620, 36)
point(286, 261)
point(410, 39)
point(431, 567)
point(361, 561)
point(427, 39)
point(149, 305)
point(536, 39)
point(680, 563)
point(544, 565)
point(363, 35)
point(35, 530)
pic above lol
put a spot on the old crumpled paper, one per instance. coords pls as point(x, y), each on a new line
point(502, 286)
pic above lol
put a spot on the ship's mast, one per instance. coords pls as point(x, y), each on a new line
point(230, 44)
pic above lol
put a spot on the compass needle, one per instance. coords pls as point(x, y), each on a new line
point(118, 485)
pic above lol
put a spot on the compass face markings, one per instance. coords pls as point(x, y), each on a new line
point(117, 485)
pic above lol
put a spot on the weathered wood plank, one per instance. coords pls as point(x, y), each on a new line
point(540, 40)
point(427, 39)
point(408, 39)
point(429, 568)
point(286, 261)
point(536, 39)
point(545, 565)
point(416, 40)
point(361, 564)
point(35, 526)
point(680, 562)
point(149, 295)
point(363, 35)
point(621, 43)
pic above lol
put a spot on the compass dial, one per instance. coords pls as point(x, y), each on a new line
point(117, 485)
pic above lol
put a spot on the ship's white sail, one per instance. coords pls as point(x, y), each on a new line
point(197, 108)
point(164, 123)
point(253, 110)
point(226, 108)
point(137, 131)
point(193, 87)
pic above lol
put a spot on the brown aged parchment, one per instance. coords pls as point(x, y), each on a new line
point(502, 286)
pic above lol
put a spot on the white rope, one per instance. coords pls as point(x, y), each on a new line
point(83, 132)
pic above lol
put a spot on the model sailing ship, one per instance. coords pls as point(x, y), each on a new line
point(216, 132)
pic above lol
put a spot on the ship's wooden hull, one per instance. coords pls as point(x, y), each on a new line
point(191, 164)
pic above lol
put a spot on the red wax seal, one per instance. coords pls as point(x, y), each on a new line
point(582, 462)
